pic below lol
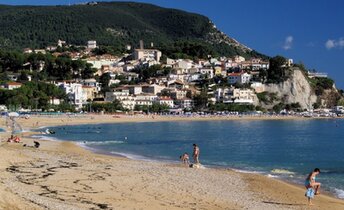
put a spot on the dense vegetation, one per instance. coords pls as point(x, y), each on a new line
point(321, 84)
point(114, 25)
point(277, 72)
point(31, 95)
point(42, 67)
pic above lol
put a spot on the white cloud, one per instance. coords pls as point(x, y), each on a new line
point(288, 42)
point(331, 43)
point(341, 42)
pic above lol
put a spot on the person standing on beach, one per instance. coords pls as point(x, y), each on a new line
point(312, 186)
point(196, 152)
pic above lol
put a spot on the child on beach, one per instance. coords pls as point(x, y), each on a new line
point(185, 158)
point(312, 186)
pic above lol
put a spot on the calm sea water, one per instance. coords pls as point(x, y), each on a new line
point(287, 149)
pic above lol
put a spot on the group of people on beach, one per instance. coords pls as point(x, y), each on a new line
point(185, 157)
point(14, 139)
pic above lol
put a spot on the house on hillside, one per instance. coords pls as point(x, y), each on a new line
point(92, 83)
point(244, 96)
point(89, 92)
point(12, 85)
point(166, 101)
point(184, 103)
point(142, 54)
point(240, 78)
point(207, 73)
point(74, 93)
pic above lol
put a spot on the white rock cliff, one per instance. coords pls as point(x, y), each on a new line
point(295, 90)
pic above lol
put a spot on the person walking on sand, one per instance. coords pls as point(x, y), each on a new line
point(312, 186)
point(196, 152)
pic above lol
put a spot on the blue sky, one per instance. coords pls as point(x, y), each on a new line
point(310, 31)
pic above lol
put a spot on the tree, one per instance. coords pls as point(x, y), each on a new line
point(277, 72)
point(88, 71)
point(201, 100)
point(340, 102)
point(23, 77)
point(104, 80)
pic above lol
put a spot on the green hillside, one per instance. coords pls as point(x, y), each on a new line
point(113, 24)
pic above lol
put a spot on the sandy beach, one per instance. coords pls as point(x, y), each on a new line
point(62, 175)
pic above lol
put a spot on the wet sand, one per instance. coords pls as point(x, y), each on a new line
point(62, 175)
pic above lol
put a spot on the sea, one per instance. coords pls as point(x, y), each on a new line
point(282, 149)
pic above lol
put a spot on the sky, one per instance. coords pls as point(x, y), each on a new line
point(308, 31)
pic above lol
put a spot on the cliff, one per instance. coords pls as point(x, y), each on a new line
point(294, 90)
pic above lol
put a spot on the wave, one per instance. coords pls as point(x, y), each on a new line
point(132, 156)
point(247, 171)
point(102, 142)
point(282, 171)
point(272, 176)
point(339, 193)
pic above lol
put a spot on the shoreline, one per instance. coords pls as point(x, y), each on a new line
point(255, 186)
point(169, 118)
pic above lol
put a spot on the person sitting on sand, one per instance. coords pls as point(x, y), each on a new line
point(185, 158)
point(16, 139)
point(312, 186)
point(196, 153)
point(37, 144)
point(11, 139)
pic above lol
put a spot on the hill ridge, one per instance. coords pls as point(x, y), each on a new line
point(113, 24)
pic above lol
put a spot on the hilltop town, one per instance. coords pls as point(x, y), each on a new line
point(89, 78)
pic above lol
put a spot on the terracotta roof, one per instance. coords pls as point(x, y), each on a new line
point(14, 83)
point(165, 99)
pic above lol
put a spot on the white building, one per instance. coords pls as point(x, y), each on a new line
point(243, 96)
point(12, 85)
point(92, 44)
point(207, 72)
point(238, 59)
point(123, 96)
point(61, 43)
point(142, 54)
point(166, 101)
point(101, 62)
point(194, 77)
point(135, 89)
point(74, 92)
point(92, 83)
point(183, 64)
point(147, 97)
point(223, 95)
point(185, 103)
point(240, 78)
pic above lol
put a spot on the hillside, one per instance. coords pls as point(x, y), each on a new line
point(114, 24)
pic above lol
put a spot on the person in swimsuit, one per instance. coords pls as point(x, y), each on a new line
point(185, 158)
point(312, 186)
point(196, 153)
